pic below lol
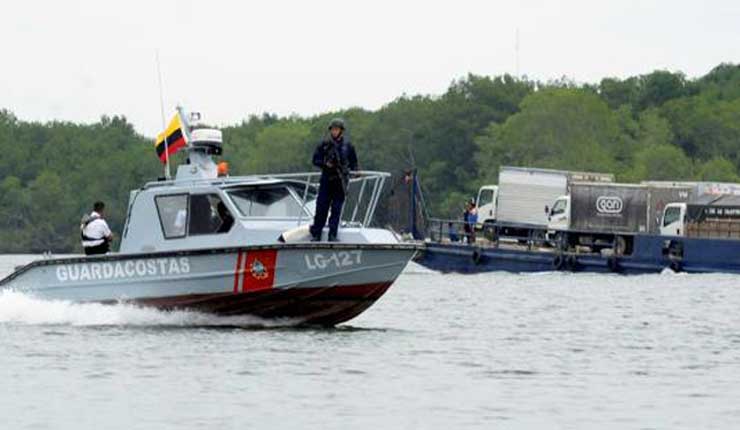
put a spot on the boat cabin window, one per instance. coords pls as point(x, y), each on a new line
point(209, 215)
point(672, 214)
point(173, 214)
point(266, 201)
point(182, 214)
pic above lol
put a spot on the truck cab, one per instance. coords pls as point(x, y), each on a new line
point(486, 203)
point(673, 220)
point(558, 217)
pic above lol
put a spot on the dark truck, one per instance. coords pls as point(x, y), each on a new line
point(599, 216)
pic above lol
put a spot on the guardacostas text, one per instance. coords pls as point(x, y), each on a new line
point(151, 267)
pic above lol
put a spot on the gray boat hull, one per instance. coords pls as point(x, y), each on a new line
point(323, 284)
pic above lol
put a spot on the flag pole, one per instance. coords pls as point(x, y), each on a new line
point(164, 121)
point(185, 123)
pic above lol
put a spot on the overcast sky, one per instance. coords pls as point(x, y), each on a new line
point(77, 60)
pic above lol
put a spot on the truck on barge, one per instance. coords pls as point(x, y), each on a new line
point(606, 227)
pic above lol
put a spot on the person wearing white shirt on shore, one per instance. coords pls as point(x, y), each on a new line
point(96, 235)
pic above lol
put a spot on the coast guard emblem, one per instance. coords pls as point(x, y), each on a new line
point(258, 270)
point(255, 270)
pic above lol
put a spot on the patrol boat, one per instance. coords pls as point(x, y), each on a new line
point(233, 246)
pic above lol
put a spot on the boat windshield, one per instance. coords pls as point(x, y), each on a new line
point(273, 201)
point(294, 197)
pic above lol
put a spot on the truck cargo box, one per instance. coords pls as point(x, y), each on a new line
point(524, 192)
point(609, 208)
point(714, 217)
point(713, 208)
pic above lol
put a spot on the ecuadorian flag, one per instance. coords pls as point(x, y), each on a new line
point(174, 136)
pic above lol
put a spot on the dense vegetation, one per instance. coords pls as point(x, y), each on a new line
point(655, 126)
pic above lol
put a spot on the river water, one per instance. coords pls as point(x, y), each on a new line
point(437, 352)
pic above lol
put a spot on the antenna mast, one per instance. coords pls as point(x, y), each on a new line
point(164, 120)
point(516, 49)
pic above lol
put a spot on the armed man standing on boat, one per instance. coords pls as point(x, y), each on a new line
point(96, 235)
point(336, 157)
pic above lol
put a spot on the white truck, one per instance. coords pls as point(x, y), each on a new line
point(711, 209)
point(709, 216)
point(519, 205)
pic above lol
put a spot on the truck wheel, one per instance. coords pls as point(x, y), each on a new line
point(489, 231)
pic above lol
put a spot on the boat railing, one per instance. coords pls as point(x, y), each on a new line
point(363, 191)
point(442, 230)
point(362, 194)
point(450, 230)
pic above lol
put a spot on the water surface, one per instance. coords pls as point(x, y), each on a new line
point(437, 352)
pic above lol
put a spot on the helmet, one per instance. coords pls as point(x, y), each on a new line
point(337, 122)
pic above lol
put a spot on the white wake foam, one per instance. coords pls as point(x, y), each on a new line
point(417, 269)
point(20, 308)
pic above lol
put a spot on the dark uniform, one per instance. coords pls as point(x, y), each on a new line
point(336, 158)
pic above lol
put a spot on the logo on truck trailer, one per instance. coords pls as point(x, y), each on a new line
point(609, 204)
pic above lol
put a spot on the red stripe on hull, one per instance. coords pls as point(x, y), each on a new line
point(244, 272)
point(311, 306)
point(237, 271)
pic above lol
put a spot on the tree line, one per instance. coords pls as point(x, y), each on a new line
point(660, 126)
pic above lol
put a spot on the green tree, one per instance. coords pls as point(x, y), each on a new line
point(653, 129)
point(659, 87)
point(50, 216)
point(617, 93)
point(661, 163)
point(281, 147)
point(718, 169)
point(704, 127)
point(14, 216)
point(556, 128)
point(722, 83)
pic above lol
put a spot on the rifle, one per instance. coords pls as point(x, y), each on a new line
point(343, 174)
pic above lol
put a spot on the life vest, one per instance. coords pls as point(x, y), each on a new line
point(87, 220)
